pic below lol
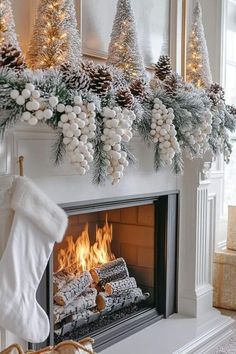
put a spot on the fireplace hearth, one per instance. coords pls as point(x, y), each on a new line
point(115, 271)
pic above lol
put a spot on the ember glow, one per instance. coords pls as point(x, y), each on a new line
point(79, 255)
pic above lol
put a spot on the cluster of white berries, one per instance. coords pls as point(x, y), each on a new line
point(78, 126)
point(163, 132)
point(36, 108)
point(198, 137)
point(117, 130)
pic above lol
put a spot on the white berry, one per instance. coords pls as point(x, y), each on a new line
point(47, 114)
point(14, 94)
point(20, 100)
point(26, 93)
point(30, 87)
point(53, 101)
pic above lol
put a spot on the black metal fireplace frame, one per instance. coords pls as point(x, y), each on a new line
point(166, 251)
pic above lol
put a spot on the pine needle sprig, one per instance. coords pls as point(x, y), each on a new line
point(58, 149)
point(130, 156)
point(99, 168)
point(157, 158)
point(8, 121)
point(178, 164)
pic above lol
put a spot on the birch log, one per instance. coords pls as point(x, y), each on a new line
point(114, 303)
point(71, 290)
point(120, 286)
point(85, 301)
point(110, 271)
point(76, 321)
point(59, 280)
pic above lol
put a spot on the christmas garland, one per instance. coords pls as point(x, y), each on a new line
point(94, 111)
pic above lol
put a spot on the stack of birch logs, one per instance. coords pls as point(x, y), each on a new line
point(82, 298)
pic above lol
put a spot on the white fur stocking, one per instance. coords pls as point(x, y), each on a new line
point(37, 224)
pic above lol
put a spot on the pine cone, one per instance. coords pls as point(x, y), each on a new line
point(163, 67)
point(138, 89)
point(100, 80)
point(231, 109)
point(11, 57)
point(88, 66)
point(173, 83)
point(74, 78)
point(125, 98)
point(216, 93)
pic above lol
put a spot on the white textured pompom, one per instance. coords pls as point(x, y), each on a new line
point(20, 100)
point(26, 93)
point(71, 115)
point(60, 108)
point(29, 106)
point(26, 115)
point(39, 114)
point(35, 105)
point(36, 94)
point(33, 120)
point(48, 113)
point(53, 101)
point(76, 109)
point(68, 109)
point(30, 87)
point(14, 94)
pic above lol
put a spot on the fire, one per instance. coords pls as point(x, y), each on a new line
point(80, 255)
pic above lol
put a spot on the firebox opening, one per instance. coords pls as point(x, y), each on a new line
point(115, 272)
point(104, 270)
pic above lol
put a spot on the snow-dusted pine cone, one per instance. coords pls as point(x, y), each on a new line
point(173, 83)
point(216, 93)
point(88, 66)
point(100, 80)
point(231, 109)
point(124, 98)
point(163, 67)
point(138, 88)
point(76, 79)
point(11, 57)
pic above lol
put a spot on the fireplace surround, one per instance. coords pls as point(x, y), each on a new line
point(145, 236)
point(196, 327)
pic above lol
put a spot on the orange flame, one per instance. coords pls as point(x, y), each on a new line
point(80, 255)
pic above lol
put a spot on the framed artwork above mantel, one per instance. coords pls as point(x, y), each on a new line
point(153, 18)
point(158, 26)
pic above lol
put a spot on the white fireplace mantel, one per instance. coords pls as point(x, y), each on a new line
point(197, 327)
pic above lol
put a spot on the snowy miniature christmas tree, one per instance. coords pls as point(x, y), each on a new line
point(124, 52)
point(198, 67)
point(7, 24)
point(55, 39)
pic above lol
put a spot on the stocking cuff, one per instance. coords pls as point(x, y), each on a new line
point(34, 204)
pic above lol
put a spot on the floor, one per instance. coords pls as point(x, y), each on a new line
point(229, 346)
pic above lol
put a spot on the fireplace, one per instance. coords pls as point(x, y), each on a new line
point(115, 271)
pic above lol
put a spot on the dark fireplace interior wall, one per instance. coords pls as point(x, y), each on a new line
point(133, 238)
